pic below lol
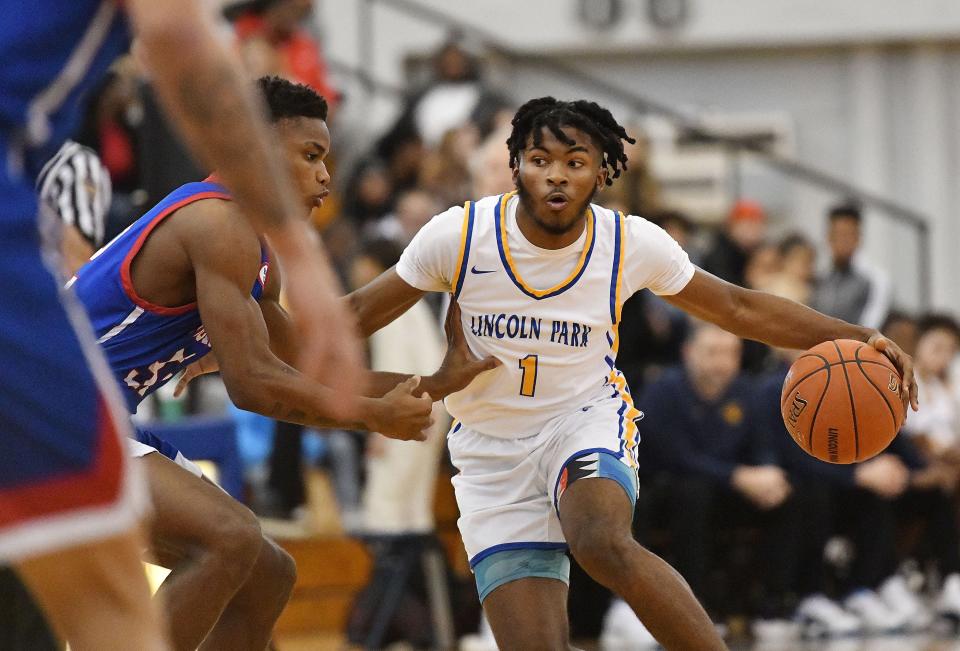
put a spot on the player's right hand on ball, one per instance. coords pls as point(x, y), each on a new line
point(405, 417)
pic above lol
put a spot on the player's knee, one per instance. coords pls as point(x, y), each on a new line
point(235, 541)
point(282, 570)
point(602, 553)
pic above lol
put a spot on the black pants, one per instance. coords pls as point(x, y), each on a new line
point(757, 566)
point(22, 624)
point(286, 472)
point(939, 540)
point(874, 523)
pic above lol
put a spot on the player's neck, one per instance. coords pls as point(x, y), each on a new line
point(543, 238)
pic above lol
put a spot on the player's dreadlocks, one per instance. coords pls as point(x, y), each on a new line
point(589, 117)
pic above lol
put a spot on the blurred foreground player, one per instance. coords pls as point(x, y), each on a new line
point(69, 506)
point(75, 187)
point(192, 276)
point(540, 276)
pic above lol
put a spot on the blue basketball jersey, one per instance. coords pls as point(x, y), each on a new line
point(53, 52)
point(146, 344)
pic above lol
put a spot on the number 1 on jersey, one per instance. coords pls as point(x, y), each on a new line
point(528, 383)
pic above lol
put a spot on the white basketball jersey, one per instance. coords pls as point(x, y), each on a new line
point(557, 344)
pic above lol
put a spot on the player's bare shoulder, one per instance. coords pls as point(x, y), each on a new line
point(214, 234)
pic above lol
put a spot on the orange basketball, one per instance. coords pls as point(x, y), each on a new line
point(841, 401)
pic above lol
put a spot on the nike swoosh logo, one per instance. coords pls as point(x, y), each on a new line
point(481, 271)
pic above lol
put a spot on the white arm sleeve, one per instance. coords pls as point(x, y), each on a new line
point(430, 260)
point(653, 259)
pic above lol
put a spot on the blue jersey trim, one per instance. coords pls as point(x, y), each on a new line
point(515, 545)
point(615, 274)
point(468, 238)
point(578, 453)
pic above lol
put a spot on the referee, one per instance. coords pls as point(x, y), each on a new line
point(74, 187)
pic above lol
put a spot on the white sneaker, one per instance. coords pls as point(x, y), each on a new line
point(774, 632)
point(482, 640)
point(623, 630)
point(819, 616)
point(900, 598)
point(874, 614)
point(948, 602)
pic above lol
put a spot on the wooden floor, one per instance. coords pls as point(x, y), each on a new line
point(331, 642)
point(333, 567)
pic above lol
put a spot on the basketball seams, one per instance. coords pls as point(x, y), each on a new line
point(860, 362)
point(826, 365)
point(816, 412)
point(853, 405)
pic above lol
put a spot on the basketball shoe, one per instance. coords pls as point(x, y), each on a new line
point(875, 615)
point(899, 597)
point(819, 616)
point(623, 630)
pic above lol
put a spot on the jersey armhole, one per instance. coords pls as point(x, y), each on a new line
point(466, 237)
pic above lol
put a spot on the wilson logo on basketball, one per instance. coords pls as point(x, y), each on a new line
point(894, 383)
point(799, 404)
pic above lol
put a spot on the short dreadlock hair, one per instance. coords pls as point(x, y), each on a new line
point(286, 99)
point(589, 117)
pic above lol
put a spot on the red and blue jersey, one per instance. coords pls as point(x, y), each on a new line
point(146, 344)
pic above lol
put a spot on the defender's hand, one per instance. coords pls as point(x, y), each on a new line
point(206, 364)
point(404, 416)
point(459, 365)
point(909, 393)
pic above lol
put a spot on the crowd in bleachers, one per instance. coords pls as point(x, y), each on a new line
point(757, 527)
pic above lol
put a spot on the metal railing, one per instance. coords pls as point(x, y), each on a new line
point(640, 103)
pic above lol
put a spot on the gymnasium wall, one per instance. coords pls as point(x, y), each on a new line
point(872, 89)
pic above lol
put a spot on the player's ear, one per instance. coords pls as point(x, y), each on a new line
point(602, 177)
point(515, 171)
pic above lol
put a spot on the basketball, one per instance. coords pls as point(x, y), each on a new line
point(841, 401)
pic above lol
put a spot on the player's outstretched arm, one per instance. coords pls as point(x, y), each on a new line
point(225, 256)
point(382, 300)
point(203, 90)
point(781, 322)
point(457, 370)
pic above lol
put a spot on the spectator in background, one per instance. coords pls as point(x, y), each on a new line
point(717, 473)
point(745, 230)
point(113, 118)
point(762, 272)
point(866, 502)
point(654, 330)
point(490, 164)
point(414, 209)
point(866, 490)
point(797, 272)
point(851, 290)
point(413, 343)
point(637, 192)
point(936, 427)
point(273, 42)
point(902, 329)
point(397, 501)
point(455, 95)
point(445, 170)
point(370, 192)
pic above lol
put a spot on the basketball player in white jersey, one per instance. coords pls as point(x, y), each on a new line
point(540, 276)
point(546, 442)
